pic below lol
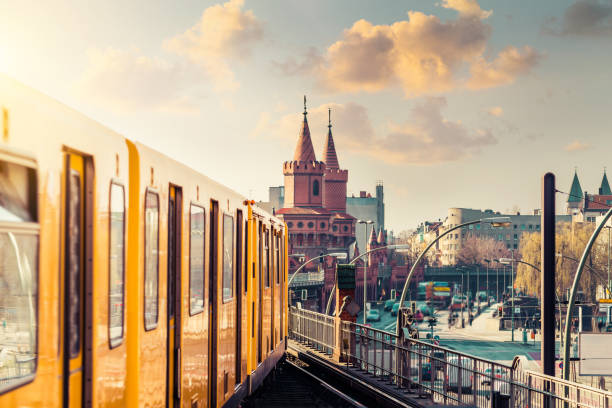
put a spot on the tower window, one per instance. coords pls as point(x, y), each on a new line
point(315, 188)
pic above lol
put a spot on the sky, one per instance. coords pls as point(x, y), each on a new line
point(451, 103)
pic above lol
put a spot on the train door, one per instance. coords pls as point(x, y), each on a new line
point(260, 291)
point(212, 300)
point(77, 277)
point(238, 277)
point(173, 343)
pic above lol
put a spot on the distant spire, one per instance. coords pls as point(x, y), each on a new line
point(329, 150)
point(605, 186)
point(304, 150)
point(575, 191)
point(372, 237)
point(381, 236)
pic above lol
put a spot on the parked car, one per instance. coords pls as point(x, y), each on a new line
point(456, 302)
point(418, 316)
point(395, 307)
point(389, 304)
point(373, 315)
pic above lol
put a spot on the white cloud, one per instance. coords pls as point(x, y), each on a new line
point(509, 64)
point(126, 80)
point(422, 54)
point(576, 145)
point(224, 32)
point(496, 111)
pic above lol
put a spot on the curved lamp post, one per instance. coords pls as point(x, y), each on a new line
point(495, 221)
point(572, 297)
point(338, 255)
point(392, 246)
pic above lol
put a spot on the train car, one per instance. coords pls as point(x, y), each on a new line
point(127, 278)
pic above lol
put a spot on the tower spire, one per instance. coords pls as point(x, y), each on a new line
point(304, 150)
point(605, 186)
point(575, 195)
point(329, 150)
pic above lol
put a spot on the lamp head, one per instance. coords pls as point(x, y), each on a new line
point(498, 221)
point(505, 261)
point(338, 255)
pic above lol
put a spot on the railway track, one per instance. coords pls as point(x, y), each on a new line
point(293, 386)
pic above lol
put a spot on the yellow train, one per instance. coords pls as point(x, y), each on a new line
point(126, 278)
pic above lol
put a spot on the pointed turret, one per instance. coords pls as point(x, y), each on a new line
point(304, 150)
point(605, 186)
point(575, 195)
point(381, 236)
point(372, 240)
point(329, 151)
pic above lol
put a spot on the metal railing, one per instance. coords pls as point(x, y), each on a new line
point(313, 329)
point(444, 375)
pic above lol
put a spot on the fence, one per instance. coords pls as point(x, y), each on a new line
point(446, 376)
point(314, 329)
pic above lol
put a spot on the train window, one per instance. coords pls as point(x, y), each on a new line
point(151, 274)
point(116, 264)
point(18, 274)
point(278, 260)
point(228, 257)
point(196, 260)
point(266, 256)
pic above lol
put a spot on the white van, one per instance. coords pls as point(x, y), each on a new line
point(452, 374)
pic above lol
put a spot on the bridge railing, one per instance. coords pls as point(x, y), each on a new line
point(444, 375)
point(316, 330)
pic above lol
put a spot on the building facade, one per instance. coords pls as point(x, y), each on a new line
point(510, 235)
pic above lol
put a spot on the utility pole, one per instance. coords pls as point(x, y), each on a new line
point(547, 291)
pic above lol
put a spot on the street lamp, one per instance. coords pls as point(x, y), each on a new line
point(365, 283)
point(352, 261)
point(570, 305)
point(337, 255)
point(494, 221)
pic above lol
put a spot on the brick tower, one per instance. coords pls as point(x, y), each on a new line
point(335, 179)
point(304, 175)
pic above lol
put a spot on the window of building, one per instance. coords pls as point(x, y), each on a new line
point(315, 188)
point(196, 260)
point(515, 246)
point(311, 224)
point(335, 228)
point(507, 237)
point(500, 237)
point(18, 274)
point(290, 224)
point(228, 257)
point(322, 225)
point(537, 227)
point(300, 224)
point(116, 276)
point(456, 236)
point(345, 228)
point(151, 264)
point(523, 226)
point(530, 226)
point(477, 226)
point(515, 226)
point(471, 227)
point(515, 237)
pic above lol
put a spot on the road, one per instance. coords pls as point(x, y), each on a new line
point(482, 339)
